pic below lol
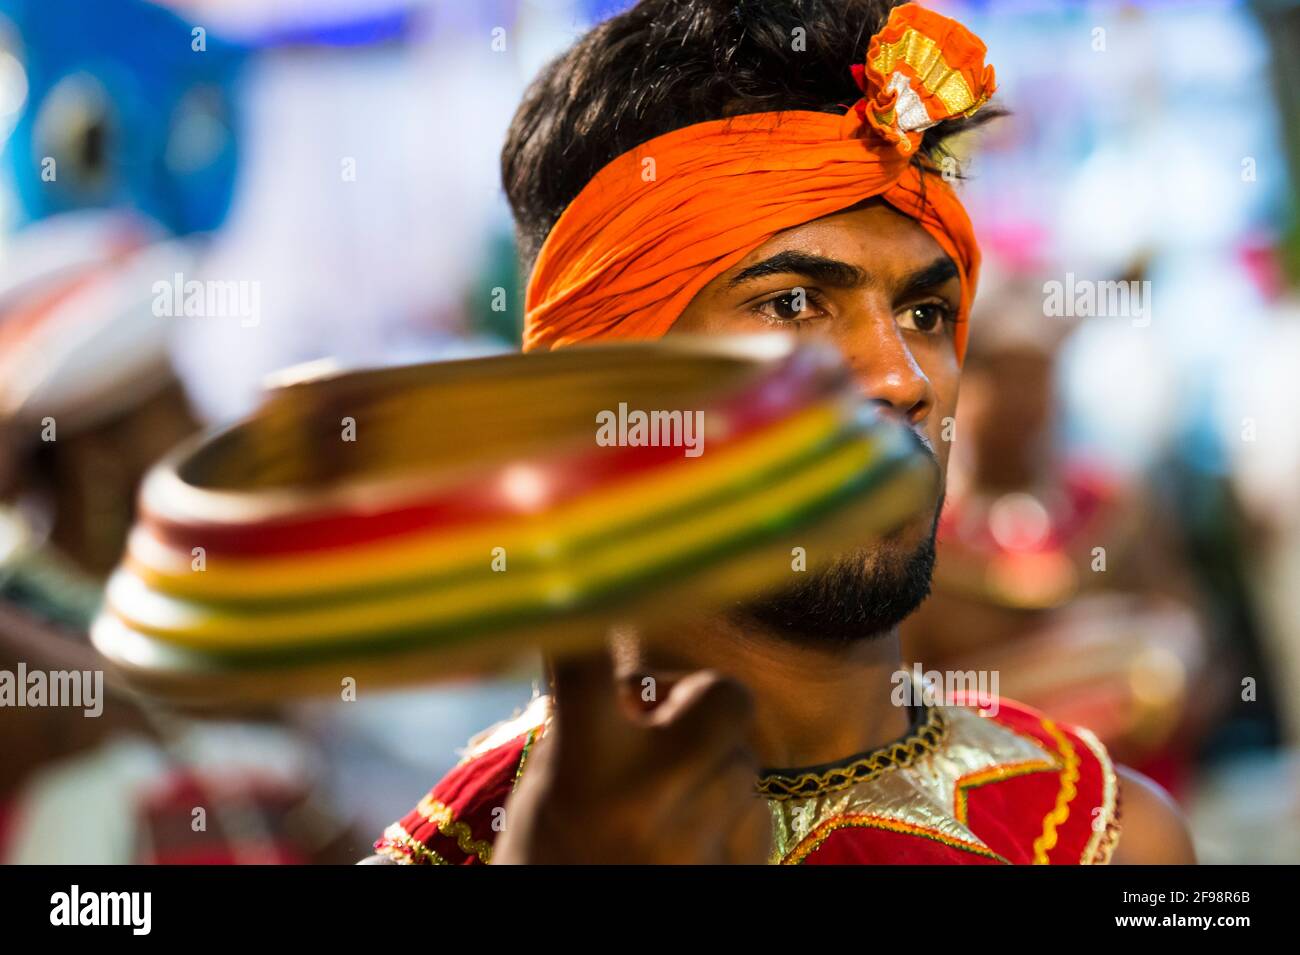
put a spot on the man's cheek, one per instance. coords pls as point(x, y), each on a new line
point(942, 426)
point(942, 448)
point(940, 431)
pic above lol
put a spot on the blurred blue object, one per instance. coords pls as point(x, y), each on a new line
point(135, 106)
point(596, 11)
point(361, 30)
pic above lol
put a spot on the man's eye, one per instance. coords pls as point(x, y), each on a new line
point(794, 305)
point(927, 317)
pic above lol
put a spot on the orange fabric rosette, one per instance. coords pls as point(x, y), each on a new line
point(661, 221)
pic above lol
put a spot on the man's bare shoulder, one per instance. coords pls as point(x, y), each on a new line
point(1154, 830)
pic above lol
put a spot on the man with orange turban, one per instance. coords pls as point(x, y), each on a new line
point(710, 166)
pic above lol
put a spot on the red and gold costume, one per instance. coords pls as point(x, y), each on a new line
point(968, 786)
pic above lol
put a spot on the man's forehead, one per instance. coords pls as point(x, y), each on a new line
point(876, 239)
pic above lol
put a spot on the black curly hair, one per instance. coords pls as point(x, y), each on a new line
point(665, 64)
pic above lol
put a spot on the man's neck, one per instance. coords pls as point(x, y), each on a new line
point(813, 704)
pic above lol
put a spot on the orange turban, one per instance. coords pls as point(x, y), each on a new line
point(661, 221)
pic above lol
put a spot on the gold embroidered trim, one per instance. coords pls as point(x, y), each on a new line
point(396, 836)
point(437, 812)
point(1101, 846)
point(393, 853)
point(995, 775)
point(1069, 776)
point(533, 733)
point(1107, 842)
point(814, 839)
point(902, 753)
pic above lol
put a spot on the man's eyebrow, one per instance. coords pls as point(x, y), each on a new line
point(826, 271)
point(938, 272)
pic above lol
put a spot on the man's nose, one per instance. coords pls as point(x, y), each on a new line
point(888, 373)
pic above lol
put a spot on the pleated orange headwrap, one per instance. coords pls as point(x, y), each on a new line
point(661, 221)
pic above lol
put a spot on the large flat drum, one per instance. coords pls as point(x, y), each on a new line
point(410, 524)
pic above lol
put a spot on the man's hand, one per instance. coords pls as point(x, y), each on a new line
point(671, 785)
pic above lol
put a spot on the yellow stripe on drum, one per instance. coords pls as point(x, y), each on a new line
point(199, 627)
point(430, 552)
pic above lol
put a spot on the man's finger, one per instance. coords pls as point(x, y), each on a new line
point(585, 703)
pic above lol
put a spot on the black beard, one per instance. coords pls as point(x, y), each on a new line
point(854, 599)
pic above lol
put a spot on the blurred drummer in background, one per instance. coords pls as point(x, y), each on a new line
point(1064, 576)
